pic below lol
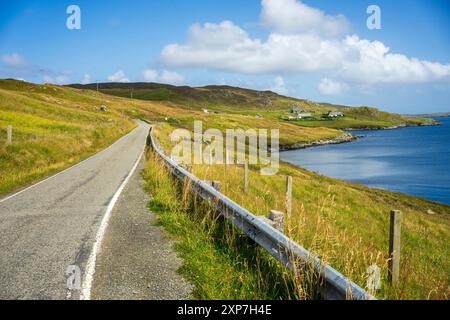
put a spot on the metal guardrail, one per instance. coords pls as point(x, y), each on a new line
point(332, 284)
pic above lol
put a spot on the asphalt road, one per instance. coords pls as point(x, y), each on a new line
point(53, 225)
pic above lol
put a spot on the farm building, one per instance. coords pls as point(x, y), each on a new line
point(304, 116)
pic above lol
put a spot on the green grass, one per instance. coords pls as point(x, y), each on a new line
point(289, 133)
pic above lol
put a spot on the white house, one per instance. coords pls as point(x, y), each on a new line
point(335, 114)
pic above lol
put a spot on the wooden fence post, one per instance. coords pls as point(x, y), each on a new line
point(9, 134)
point(394, 246)
point(288, 196)
point(246, 176)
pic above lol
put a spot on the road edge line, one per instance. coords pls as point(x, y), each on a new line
point(90, 266)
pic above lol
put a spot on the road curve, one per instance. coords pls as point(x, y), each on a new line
point(53, 225)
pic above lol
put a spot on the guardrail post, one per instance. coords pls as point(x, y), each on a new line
point(288, 196)
point(394, 246)
point(9, 134)
point(246, 176)
point(267, 220)
point(215, 184)
point(278, 218)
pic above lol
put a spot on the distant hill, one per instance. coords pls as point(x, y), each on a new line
point(429, 115)
point(213, 97)
point(235, 100)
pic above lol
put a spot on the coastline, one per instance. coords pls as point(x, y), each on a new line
point(343, 138)
point(399, 126)
point(347, 137)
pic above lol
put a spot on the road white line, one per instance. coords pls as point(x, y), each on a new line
point(90, 266)
point(61, 172)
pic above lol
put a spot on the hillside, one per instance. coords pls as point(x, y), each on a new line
point(56, 126)
point(53, 128)
point(234, 100)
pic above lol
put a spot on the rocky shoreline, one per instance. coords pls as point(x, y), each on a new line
point(343, 138)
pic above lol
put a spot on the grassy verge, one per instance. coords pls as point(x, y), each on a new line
point(221, 262)
point(347, 225)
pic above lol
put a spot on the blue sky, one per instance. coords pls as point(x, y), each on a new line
point(264, 45)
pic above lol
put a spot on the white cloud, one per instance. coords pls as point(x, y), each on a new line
point(119, 76)
point(171, 77)
point(19, 68)
point(216, 35)
point(301, 41)
point(328, 87)
point(86, 79)
point(150, 75)
point(279, 86)
point(164, 76)
point(377, 65)
point(14, 60)
point(293, 17)
point(279, 54)
point(56, 79)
